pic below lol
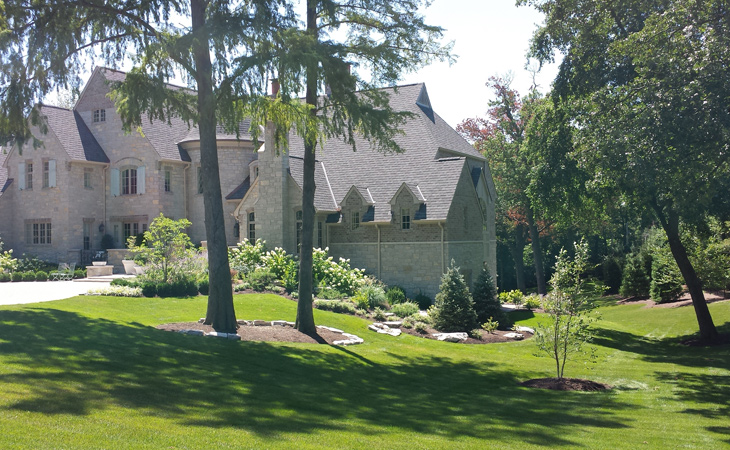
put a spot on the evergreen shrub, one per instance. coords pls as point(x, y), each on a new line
point(41, 276)
point(486, 304)
point(424, 301)
point(204, 287)
point(454, 308)
point(666, 280)
point(395, 295)
point(404, 309)
point(635, 281)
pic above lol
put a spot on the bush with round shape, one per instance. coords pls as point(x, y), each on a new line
point(149, 289)
point(486, 304)
point(395, 295)
point(41, 276)
point(16, 276)
point(375, 295)
point(338, 306)
point(532, 301)
point(204, 287)
point(4, 277)
point(424, 301)
point(404, 309)
point(635, 281)
point(260, 279)
point(29, 276)
point(454, 308)
point(79, 273)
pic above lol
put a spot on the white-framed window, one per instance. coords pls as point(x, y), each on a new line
point(355, 220)
point(168, 179)
point(129, 181)
point(99, 115)
point(49, 173)
point(252, 227)
point(405, 216)
point(38, 232)
point(299, 230)
point(87, 177)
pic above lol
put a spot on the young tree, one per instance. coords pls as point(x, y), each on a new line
point(164, 243)
point(454, 307)
point(383, 37)
point(567, 327)
point(43, 45)
point(647, 80)
point(486, 303)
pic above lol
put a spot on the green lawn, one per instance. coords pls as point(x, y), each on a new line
point(92, 372)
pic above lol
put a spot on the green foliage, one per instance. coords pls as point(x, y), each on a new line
point(338, 306)
point(379, 314)
point(476, 333)
point(29, 276)
point(374, 294)
point(612, 276)
point(490, 326)
point(29, 263)
point(710, 254)
point(107, 241)
point(395, 295)
point(7, 262)
point(330, 294)
point(666, 280)
point(246, 257)
point(4, 277)
point(79, 273)
point(260, 279)
point(424, 301)
point(635, 281)
point(566, 330)
point(128, 282)
point(41, 276)
point(486, 304)
point(515, 297)
point(166, 250)
point(454, 308)
point(204, 287)
point(420, 327)
point(532, 301)
point(404, 309)
point(149, 289)
point(16, 276)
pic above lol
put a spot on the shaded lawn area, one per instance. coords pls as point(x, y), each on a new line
point(92, 372)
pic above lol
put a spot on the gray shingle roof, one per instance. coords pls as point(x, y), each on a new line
point(222, 134)
point(383, 174)
point(240, 191)
point(73, 134)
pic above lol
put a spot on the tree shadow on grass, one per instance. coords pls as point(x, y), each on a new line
point(75, 365)
point(670, 350)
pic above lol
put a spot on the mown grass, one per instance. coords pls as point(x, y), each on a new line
point(92, 372)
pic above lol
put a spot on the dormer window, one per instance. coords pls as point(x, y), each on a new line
point(99, 115)
point(405, 222)
point(355, 220)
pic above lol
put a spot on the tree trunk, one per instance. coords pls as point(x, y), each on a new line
point(305, 314)
point(517, 255)
point(536, 253)
point(670, 223)
point(220, 314)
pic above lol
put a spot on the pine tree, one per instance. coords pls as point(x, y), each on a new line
point(454, 309)
point(635, 281)
point(486, 303)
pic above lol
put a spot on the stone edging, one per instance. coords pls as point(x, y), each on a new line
point(351, 339)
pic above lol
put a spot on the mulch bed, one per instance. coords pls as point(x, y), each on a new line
point(565, 384)
point(684, 300)
point(487, 338)
point(275, 333)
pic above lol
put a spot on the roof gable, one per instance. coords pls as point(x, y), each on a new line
point(72, 133)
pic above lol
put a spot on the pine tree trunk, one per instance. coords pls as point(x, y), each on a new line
point(536, 253)
point(516, 250)
point(220, 314)
point(305, 314)
point(670, 223)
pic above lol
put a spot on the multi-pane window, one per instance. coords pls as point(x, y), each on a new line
point(320, 234)
point(355, 220)
point(38, 233)
point(130, 229)
point(87, 177)
point(405, 223)
point(29, 175)
point(129, 181)
point(252, 227)
point(168, 180)
point(200, 180)
point(99, 115)
point(299, 231)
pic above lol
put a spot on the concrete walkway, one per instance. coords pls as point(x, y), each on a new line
point(21, 292)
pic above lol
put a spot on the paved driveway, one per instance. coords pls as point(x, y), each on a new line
point(16, 293)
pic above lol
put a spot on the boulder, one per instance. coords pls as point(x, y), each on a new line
point(280, 323)
point(451, 337)
point(261, 323)
point(524, 330)
point(515, 336)
point(334, 330)
point(394, 323)
point(193, 332)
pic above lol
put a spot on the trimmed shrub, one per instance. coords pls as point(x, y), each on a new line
point(337, 306)
point(165, 290)
point(260, 279)
point(486, 304)
point(4, 277)
point(635, 281)
point(29, 276)
point(454, 308)
point(79, 273)
point(41, 276)
point(404, 309)
point(328, 293)
point(395, 295)
point(16, 276)
point(204, 287)
point(122, 282)
point(189, 288)
point(666, 280)
point(424, 301)
point(149, 289)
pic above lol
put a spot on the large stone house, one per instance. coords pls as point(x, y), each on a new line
point(402, 217)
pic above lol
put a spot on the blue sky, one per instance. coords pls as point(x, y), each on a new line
point(491, 38)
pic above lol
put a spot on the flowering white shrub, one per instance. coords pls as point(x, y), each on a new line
point(117, 291)
point(246, 257)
